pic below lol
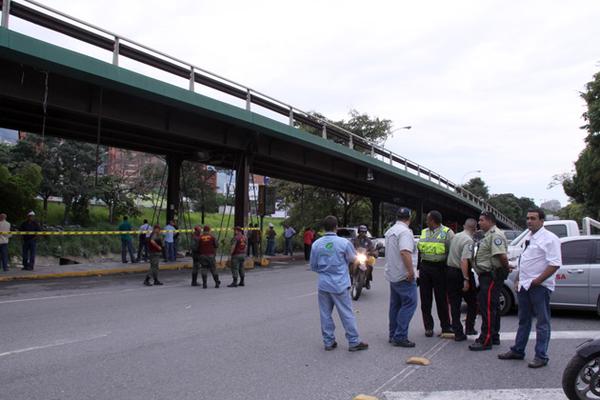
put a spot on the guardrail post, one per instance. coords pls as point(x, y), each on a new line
point(418, 170)
point(5, 13)
point(192, 78)
point(324, 132)
point(430, 175)
point(391, 158)
point(372, 151)
point(248, 100)
point(116, 52)
point(291, 116)
point(350, 142)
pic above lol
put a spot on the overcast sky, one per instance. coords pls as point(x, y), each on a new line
point(486, 85)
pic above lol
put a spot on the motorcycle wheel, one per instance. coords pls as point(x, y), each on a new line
point(357, 286)
point(581, 378)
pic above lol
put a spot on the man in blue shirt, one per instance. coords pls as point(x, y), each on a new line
point(329, 257)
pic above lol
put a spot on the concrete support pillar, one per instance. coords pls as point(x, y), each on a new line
point(420, 221)
point(242, 201)
point(173, 186)
point(376, 220)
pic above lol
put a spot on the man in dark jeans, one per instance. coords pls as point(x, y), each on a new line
point(29, 241)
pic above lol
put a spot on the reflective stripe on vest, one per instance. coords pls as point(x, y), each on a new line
point(433, 247)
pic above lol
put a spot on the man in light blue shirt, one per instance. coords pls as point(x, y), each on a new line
point(170, 241)
point(330, 257)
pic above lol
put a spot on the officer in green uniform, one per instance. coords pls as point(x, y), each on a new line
point(491, 265)
point(433, 246)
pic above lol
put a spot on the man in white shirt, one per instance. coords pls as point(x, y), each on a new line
point(535, 282)
point(400, 272)
point(4, 227)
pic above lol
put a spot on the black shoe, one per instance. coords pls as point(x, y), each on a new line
point(204, 286)
point(429, 332)
point(368, 285)
point(217, 284)
point(232, 284)
point(359, 347)
point(147, 282)
point(331, 347)
point(479, 347)
point(537, 363)
point(496, 341)
point(157, 283)
point(460, 338)
point(510, 355)
point(402, 343)
point(471, 332)
point(194, 283)
point(241, 284)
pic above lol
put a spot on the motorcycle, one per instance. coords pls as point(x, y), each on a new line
point(359, 272)
point(581, 377)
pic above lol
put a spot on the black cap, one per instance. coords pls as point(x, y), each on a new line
point(403, 212)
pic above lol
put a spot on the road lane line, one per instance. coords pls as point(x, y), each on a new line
point(438, 346)
point(496, 394)
point(557, 335)
point(55, 344)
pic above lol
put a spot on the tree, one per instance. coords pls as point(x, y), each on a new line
point(18, 190)
point(507, 204)
point(196, 186)
point(478, 187)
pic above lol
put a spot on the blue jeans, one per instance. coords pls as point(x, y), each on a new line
point(403, 303)
point(29, 253)
point(289, 248)
point(270, 247)
point(534, 302)
point(127, 246)
point(343, 303)
point(171, 255)
point(4, 256)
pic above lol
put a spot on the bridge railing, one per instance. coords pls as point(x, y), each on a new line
point(120, 46)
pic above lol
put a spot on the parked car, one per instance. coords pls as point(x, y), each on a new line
point(577, 280)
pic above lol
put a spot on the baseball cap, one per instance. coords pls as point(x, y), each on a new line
point(31, 213)
point(362, 228)
point(271, 225)
point(403, 212)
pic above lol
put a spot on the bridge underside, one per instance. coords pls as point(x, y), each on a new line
point(86, 107)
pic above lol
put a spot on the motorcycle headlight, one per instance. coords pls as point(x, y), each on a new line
point(362, 258)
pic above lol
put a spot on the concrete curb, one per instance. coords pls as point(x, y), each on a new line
point(93, 272)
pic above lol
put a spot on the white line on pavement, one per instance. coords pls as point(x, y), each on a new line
point(55, 344)
point(557, 335)
point(499, 394)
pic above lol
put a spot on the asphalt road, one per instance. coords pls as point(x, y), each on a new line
point(112, 338)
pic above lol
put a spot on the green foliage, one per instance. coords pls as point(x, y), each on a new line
point(478, 187)
point(515, 208)
point(574, 211)
point(18, 190)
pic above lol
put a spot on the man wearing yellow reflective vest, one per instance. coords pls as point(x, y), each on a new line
point(433, 246)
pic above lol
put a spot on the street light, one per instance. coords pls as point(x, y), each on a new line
point(395, 130)
point(475, 171)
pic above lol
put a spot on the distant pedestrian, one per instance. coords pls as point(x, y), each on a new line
point(169, 235)
point(155, 245)
point(206, 252)
point(308, 237)
point(175, 239)
point(400, 273)
point(29, 241)
point(238, 253)
point(4, 227)
point(460, 281)
point(145, 232)
point(288, 235)
point(330, 257)
point(535, 283)
point(252, 240)
point(126, 241)
point(257, 232)
point(271, 234)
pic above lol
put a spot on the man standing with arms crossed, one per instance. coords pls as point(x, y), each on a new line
point(458, 279)
point(491, 265)
point(535, 283)
point(399, 271)
point(433, 252)
point(329, 257)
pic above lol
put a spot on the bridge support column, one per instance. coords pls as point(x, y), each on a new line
point(376, 214)
point(173, 186)
point(420, 221)
point(242, 174)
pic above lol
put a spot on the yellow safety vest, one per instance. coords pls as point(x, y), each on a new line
point(432, 247)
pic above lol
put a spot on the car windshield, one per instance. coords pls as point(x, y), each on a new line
point(346, 233)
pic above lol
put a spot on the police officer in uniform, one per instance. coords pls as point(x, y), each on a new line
point(362, 241)
point(491, 265)
point(459, 279)
point(207, 250)
point(433, 246)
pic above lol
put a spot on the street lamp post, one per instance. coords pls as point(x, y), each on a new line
point(396, 130)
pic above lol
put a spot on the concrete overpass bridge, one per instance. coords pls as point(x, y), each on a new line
point(49, 89)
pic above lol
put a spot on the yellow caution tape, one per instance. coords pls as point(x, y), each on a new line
point(84, 233)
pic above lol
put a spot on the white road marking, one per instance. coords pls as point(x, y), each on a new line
point(499, 394)
point(55, 344)
point(302, 295)
point(556, 335)
point(407, 371)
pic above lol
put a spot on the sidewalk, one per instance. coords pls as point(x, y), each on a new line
point(113, 268)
